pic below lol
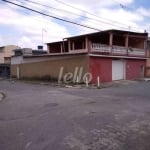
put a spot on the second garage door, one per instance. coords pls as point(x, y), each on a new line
point(118, 69)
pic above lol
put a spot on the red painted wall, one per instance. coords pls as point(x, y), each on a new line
point(101, 67)
point(134, 68)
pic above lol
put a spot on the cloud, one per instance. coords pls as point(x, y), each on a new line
point(143, 11)
point(24, 28)
point(28, 28)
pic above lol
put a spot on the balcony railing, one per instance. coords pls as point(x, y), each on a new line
point(136, 51)
point(117, 50)
point(101, 47)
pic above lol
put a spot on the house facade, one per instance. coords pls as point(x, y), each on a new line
point(113, 54)
point(108, 55)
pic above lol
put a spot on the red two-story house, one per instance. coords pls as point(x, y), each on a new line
point(112, 54)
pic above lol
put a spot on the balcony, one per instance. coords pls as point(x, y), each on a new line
point(105, 49)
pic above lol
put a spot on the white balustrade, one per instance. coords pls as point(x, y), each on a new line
point(118, 50)
point(136, 51)
point(101, 47)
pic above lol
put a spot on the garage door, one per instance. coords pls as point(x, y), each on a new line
point(118, 69)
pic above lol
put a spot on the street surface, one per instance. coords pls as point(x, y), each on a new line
point(46, 117)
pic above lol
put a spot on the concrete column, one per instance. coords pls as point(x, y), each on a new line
point(89, 46)
point(61, 47)
point(111, 41)
point(69, 45)
point(72, 45)
point(86, 43)
point(127, 43)
point(49, 49)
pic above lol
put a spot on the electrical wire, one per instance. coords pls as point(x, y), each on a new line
point(96, 20)
point(121, 4)
point(51, 16)
point(88, 12)
point(54, 15)
point(34, 17)
point(126, 27)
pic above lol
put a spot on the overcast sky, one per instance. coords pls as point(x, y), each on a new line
point(24, 28)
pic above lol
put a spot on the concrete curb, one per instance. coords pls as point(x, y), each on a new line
point(146, 79)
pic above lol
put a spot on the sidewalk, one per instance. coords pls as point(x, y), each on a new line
point(146, 79)
point(90, 86)
point(104, 85)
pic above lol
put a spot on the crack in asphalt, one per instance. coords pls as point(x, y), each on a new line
point(39, 113)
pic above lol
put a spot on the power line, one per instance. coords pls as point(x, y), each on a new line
point(54, 15)
point(37, 3)
point(77, 14)
point(35, 18)
point(32, 17)
point(87, 12)
point(58, 18)
point(93, 19)
point(121, 5)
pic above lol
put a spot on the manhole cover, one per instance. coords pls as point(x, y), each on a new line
point(90, 102)
point(51, 105)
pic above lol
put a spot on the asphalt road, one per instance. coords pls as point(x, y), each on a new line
point(44, 117)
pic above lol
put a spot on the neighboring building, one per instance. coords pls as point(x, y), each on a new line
point(6, 52)
point(28, 52)
point(5, 55)
point(108, 55)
